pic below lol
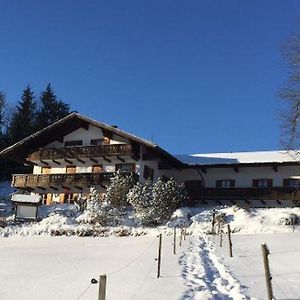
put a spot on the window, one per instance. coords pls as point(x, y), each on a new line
point(44, 199)
point(73, 143)
point(291, 182)
point(225, 183)
point(96, 142)
point(262, 183)
point(96, 168)
point(70, 169)
point(148, 173)
point(125, 167)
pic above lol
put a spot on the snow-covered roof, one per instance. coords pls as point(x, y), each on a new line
point(229, 158)
point(25, 198)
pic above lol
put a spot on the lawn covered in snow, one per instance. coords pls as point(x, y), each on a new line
point(246, 265)
point(61, 268)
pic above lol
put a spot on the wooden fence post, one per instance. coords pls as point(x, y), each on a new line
point(180, 238)
point(174, 241)
point(102, 287)
point(221, 238)
point(159, 255)
point(184, 233)
point(213, 222)
point(265, 253)
point(229, 240)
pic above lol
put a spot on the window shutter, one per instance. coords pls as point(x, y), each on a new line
point(219, 183)
point(255, 183)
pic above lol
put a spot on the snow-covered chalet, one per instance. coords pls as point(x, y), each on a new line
point(76, 152)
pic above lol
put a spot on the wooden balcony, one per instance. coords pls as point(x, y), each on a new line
point(84, 152)
point(272, 193)
point(55, 181)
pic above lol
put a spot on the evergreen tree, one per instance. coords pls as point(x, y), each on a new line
point(22, 120)
point(154, 203)
point(118, 189)
point(51, 109)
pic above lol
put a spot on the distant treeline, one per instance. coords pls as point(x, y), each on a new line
point(29, 115)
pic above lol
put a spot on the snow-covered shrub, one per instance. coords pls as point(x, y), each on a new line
point(99, 211)
point(81, 202)
point(291, 219)
point(154, 203)
point(141, 198)
point(168, 196)
point(120, 184)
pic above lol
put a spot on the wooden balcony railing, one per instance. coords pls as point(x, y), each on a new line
point(83, 152)
point(252, 193)
point(62, 180)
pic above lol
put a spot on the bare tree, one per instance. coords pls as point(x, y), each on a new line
point(290, 93)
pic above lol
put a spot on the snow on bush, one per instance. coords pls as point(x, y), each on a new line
point(252, 221)
point(117, 191)
point(154, 203)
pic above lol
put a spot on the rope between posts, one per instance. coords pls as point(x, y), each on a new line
point(132, 261)
point(143, 282)
point(84, 292)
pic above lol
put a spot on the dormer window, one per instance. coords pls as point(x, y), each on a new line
point(74, 143)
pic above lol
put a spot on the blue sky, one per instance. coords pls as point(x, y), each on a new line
point(194, 76)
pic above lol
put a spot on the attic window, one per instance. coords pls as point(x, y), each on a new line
point(96, 142)
point(74, 143)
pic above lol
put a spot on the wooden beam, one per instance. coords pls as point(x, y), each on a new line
point(94, 160)
point(120, 158)
point(65, 187)
point(54, 188)
point(68, 161)
point(78, 187)
point(44, 162)
point(80, 160)
point(56, 162)
point(42, 188)
point(135, 157)
point(105, 158)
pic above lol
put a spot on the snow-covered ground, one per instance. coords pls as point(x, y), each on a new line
point(62, 267)
point(36, 265)
point(246, 265)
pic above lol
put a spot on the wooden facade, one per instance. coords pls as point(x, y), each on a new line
point(83, 152)
point(246, 194)
point(45, 181)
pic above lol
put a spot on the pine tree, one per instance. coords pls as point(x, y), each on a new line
point(118, 189)
point(141, 198)
point(22, 120)
point(154, 203)
point(51, 109)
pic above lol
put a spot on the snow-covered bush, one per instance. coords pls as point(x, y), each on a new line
point(120, 184)
point(141, 198)
point(99, 211)
point(154, 203)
